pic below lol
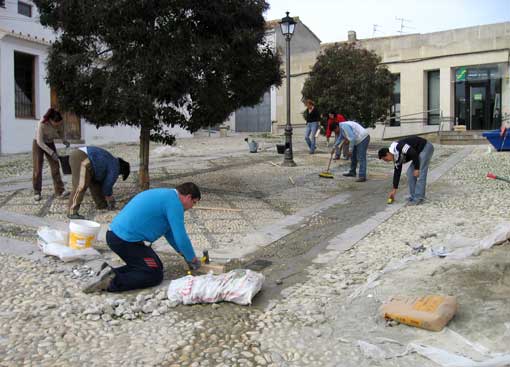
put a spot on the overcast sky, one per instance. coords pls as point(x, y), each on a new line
point(331, 19)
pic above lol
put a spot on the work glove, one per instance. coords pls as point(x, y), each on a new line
point(66, 143)
point(54, 156)
point(194, 264)
point(111, 204)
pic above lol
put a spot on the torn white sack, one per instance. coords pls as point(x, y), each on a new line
point(237, 286)
point(54, 243)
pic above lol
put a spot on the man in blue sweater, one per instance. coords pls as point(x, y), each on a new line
point(148, 216)
point(94, 168)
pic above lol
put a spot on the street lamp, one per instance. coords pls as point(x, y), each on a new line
point(287, 26)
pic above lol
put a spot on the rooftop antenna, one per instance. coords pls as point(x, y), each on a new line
point(374, 29)
point(402, 25)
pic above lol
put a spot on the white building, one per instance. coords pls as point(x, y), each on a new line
point(24, 94)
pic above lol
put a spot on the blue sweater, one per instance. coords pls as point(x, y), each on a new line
point(106, 168)
point(152, 214)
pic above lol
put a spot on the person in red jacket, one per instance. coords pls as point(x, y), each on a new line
point(334, 121)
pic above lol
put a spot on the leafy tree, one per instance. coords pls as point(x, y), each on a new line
point(350, 80)
point(158, 63)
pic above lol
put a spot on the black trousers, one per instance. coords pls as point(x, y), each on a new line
point(143, 266)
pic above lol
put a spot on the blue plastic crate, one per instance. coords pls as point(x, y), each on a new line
point(499, 142)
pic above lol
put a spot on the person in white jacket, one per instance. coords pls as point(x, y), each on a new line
point(49, 128)
point(358, 139)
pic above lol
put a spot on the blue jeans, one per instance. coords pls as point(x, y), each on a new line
point(359, 153)
point(418, 184)
point(311, 129)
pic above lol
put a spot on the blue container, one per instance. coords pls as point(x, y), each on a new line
point(499, 142)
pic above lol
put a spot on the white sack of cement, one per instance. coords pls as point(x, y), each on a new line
point(166, 151)
point(237, 286)
point(54, 243)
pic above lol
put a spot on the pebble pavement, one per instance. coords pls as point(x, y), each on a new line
point(45, 320)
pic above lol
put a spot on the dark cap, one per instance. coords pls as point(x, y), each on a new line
point(124, 169)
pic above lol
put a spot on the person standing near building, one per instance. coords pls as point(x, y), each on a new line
point(49, 128)
point(94, 168)
point(312, 118)
point(148, 216)
point(417, 150)
point(358, 139)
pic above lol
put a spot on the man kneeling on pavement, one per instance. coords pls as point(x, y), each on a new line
point(148, 216)
point(97, 169)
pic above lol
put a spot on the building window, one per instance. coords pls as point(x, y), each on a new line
point(24, 85)
point(2, 3)
point(395, 102)
point(433, 114)
point(24, 9)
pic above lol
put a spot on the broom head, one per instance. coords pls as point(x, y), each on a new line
point(326, 175)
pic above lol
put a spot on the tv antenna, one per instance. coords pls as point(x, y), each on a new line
point(375, 29)
point(402, 25)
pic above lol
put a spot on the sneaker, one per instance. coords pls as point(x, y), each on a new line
point(75, 216)
point(103, 266)
point(349, 174)
point(101, 281)
point(65, 194)
point(415, 202)
point(37, 197)
point(361, 179)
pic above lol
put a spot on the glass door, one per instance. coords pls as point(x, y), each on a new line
point(478, 107)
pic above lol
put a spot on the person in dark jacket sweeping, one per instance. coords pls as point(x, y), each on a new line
point(417, 150)
point(94, 168)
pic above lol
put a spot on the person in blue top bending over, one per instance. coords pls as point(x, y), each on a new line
point(148, 216)
point(95, 169)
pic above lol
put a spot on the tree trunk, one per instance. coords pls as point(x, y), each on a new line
point(143, 173)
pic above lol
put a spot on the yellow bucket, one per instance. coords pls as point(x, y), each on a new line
point(82, 233)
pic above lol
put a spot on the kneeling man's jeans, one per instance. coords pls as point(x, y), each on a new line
point(143, 267)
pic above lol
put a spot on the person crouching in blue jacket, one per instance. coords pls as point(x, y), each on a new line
point(94, 168)
point(148, 216)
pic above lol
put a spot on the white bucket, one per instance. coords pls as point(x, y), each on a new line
point(82, 233)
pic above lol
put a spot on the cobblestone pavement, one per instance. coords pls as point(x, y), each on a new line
point(305, 319)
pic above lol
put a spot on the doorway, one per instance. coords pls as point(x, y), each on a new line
point(72, 123)
point(478, 96)
point(478, 106)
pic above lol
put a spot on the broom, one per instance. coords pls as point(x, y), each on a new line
point(326, 173)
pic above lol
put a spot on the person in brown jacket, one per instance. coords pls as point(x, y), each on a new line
point(49, 128)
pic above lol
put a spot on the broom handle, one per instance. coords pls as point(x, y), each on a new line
point(333, 151)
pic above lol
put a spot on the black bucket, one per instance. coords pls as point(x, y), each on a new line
point(280, 148)
point(64, 162)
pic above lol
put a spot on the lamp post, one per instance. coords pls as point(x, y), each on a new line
point(287, 26)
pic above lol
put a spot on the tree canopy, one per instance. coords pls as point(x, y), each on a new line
point(158, 63)
point(350, 80)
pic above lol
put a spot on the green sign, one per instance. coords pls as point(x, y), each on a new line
point(478, 97)
point(460, 74)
